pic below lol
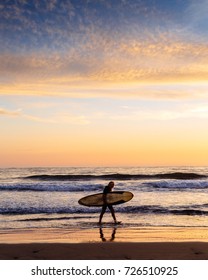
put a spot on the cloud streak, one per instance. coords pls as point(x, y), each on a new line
point(61, 118)
point(5, 112)
point(200, 112)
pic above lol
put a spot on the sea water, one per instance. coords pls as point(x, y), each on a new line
point(48, 197)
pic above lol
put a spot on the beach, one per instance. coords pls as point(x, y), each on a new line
point(95, 244)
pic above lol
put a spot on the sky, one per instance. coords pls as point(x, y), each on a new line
point(103, 83)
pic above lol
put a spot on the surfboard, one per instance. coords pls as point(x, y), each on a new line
point(111, 198)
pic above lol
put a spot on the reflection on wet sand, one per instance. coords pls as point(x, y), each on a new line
point(113, 235)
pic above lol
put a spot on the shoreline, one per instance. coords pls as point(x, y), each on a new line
point(146, 243)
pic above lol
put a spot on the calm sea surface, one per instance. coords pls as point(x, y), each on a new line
point(48, 197)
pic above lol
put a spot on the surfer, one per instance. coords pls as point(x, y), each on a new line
point(106, 190)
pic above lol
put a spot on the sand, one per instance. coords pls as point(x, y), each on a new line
point(105, 244)
point(105, 251)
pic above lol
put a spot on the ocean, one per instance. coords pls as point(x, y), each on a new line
point(32, 198)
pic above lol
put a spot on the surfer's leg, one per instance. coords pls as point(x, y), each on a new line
point(102, 213)
point(112, 212)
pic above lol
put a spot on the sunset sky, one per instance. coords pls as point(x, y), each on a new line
point(103, 83)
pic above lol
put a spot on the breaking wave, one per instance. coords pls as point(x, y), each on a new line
point(145, 209)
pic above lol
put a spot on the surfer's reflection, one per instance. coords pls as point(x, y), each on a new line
point(113, 235)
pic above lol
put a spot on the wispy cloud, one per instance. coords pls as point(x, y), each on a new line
point(5, 112)
point(199, 111)
point(60, 118)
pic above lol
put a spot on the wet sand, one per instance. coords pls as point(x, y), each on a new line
point(105, 243)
